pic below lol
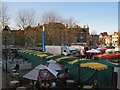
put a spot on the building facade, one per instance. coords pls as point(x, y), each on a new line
point(55, 34)
point(102, 38)
point(108, 40)
point(94, 39)
point(115, 39)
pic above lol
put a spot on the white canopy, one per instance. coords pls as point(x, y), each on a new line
point(72, 48)
point(33, 74)
point(53, 65)
point(93, 51)
point(51, 61)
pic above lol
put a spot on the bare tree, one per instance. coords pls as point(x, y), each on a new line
point(50, 16)
point(93, 32)
point(25, 18)
point(70, 21)
point(4, 17)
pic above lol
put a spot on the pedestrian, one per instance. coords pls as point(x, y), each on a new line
point(95, 85)
point(53, 84)
point(37, 85)
point(17, 67)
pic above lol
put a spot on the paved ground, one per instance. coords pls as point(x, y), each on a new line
point(5, 78)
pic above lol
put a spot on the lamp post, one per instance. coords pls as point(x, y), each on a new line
point(5, 44)
point(43, 40)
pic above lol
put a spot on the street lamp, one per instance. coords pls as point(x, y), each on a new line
point(43, 39)
point(5, 30)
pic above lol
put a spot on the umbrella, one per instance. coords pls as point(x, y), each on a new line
point(41, 72)
point(102, 49)
point(108, 56)
point(93, 51)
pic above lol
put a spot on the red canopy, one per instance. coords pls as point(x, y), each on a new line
point(110, 56)
point(45, 75)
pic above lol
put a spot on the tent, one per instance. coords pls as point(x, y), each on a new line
point(41, 72)
point(34, 57)
point(110, 56)
point(72, 48)
point(87, 73)
point(93, 51)
point(52, 64)
point(102, 48)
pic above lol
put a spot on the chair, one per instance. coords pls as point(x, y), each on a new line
point(14, 83)
point(21, 88)
point(87, 87)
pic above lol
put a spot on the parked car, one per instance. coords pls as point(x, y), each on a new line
point(74, 53)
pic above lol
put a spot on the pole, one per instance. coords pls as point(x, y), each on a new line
point(79, 76)
point(43, 40)
point(6, 53)
point(5, 37)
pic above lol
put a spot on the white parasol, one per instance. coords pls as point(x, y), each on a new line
point(41, 72)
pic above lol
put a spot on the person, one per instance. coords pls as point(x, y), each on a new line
point(95, 85)
point(53, 84)
point(66, 73)
point(33, 83)
point(45, 85)
point(17, 67)
point(37, 85)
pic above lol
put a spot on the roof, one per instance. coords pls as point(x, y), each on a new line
point(104, 34)
point(85, 26)
point(94, 65)
point(91, 64)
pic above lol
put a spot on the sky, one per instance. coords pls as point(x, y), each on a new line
point(99, 16)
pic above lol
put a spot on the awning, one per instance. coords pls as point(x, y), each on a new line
point(94, 65)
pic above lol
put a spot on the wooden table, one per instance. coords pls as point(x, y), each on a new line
point(14, 83)
point(70, 81)
point(13, 71)
point(21, 88)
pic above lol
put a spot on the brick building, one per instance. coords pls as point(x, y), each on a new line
point(115, 39)
point(55, 34)
point(94, 39)
point(102, 37)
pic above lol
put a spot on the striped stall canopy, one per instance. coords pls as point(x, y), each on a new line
point(42, 55)
point(51, 56)
point(94, 65)
point(62, 58)
point(74, 61)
